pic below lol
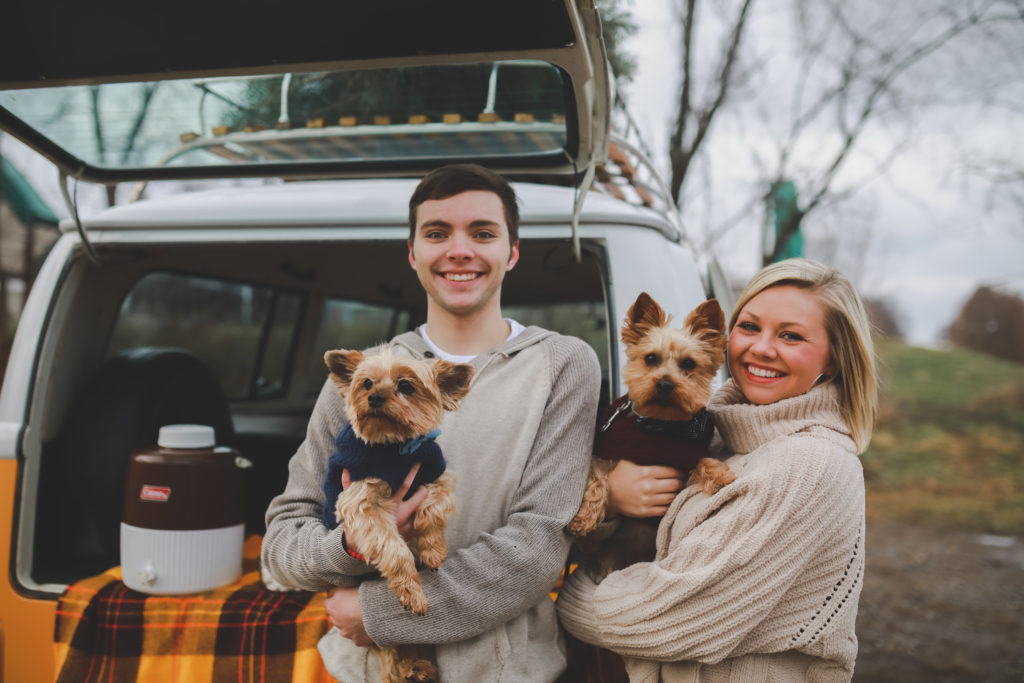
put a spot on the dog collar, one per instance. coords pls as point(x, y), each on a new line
point(683, 429)
point(414, 443)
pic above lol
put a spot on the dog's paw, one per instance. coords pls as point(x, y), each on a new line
point(431, 558)
point(419, 671)
point(712, 475)
point(582, 525)
point(412, 599)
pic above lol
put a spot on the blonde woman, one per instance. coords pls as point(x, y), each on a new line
point(761, 581)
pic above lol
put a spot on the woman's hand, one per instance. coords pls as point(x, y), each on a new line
point(641, 490)
point(405, 510)
point(342, 606)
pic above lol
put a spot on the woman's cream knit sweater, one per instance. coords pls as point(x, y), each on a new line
point(759, 582)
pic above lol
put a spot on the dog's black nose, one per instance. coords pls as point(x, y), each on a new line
point(664, 386)
point(375, 400)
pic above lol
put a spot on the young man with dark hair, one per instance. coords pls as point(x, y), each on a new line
point(519, 445)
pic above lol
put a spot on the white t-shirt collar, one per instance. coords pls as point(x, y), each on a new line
point(514, 327)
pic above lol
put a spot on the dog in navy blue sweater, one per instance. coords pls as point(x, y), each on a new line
point(394, 407)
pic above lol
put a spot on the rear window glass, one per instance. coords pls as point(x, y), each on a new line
point(243, 332)
point(455, 111)
point(587, 320)
point(351, 325)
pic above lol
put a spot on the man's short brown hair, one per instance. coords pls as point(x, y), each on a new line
point(454, 179)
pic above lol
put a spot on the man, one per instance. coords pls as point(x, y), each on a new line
point(519, 445)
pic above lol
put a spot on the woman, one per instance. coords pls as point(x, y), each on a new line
point(760, 581)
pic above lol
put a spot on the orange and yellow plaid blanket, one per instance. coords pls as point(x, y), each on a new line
point(242, 632)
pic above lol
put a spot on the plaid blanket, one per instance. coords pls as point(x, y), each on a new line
point(107, 632)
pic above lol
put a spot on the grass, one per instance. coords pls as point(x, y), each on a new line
point(948, 448)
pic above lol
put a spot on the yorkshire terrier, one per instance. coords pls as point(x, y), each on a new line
point(661, 420)
point(394, 407)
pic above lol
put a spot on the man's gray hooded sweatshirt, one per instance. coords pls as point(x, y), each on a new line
point(520, 447)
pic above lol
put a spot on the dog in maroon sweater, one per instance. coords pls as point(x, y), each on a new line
point(662, 420)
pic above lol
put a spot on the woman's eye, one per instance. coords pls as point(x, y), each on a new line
point(747, 326)
point(651, 359)
point(792, 336)
point(367, 383)
point(687, 364)
point(405, 386)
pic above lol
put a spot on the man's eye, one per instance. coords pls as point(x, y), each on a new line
point(367, 383)
point(651, 359)
point(405, 386)
point(687, 364)
point(485, 235)
point(434, 235)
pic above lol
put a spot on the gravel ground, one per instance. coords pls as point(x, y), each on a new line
point(941, 605)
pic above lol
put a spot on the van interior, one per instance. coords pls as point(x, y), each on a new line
point(231, 335)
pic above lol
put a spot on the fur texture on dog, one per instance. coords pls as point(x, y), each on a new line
point(660, 421)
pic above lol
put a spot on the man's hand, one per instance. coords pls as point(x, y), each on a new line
point(342, 605)
point(641, 490)
point(405, 510)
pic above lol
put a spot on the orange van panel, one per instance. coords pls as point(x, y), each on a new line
point(27, 624)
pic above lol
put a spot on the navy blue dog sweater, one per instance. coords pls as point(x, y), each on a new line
point(390, 462)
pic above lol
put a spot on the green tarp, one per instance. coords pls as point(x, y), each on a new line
point(24, 201)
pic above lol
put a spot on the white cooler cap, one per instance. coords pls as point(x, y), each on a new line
point(186, 436)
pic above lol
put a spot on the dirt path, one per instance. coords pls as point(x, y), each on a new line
point(940, 606)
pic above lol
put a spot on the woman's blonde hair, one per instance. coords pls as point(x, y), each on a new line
point(849, 335)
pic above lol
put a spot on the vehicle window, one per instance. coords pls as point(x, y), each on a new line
point(348, 324)
point(243, 332)
point(489, 109)
point(587, 320)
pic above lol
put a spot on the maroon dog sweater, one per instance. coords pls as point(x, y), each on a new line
point(624, 435)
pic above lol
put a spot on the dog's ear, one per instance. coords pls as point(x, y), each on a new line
point(342, 364)
point(707, 321)
point(453, 382)
point(644, 315)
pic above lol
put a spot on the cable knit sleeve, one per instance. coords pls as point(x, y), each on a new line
point(755, 568)
point(298, 549)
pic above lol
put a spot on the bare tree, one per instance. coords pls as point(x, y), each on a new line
point(883, 318)
point(992, 322)
point(813, 85)
point(102, 113)
point(701, 100)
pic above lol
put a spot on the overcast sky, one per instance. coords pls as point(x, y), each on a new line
point(932, 239)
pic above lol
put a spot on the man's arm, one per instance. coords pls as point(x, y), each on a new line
point(298, 549)
point(509, 570)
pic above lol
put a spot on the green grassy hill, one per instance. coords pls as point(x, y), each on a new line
point(949, 445)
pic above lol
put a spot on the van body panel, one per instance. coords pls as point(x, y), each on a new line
point(344, 203)
point(27, 622)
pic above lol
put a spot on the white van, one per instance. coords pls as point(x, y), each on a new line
point(216, 307)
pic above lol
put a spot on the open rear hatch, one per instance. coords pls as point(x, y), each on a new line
point(113, 92)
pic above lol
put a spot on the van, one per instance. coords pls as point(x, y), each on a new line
point(216, 306)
